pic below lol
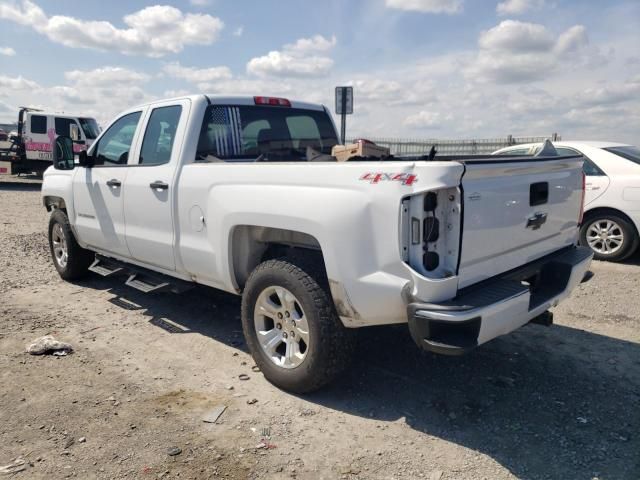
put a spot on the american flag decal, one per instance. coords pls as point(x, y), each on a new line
point(228, 130)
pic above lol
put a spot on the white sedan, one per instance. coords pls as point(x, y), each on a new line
point(612, 198)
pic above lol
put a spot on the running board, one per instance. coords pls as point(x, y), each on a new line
point(103, 267)
point(145, 284)
point(140, 278)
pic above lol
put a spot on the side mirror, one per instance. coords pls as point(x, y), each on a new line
point(85, 160)
point(63, 154)
point(74, 132)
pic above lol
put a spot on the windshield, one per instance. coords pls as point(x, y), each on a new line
point(89, 127)
point(271, 133)
point(630, 153)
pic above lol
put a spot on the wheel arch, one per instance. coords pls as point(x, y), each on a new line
point(52, 202)
point(250, 245)
point(604, 210)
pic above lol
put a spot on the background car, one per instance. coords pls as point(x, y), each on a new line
point(612, 198)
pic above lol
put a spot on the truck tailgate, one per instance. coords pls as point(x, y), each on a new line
point(516, 211)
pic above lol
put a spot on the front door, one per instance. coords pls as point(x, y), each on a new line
point(149, 190)
point(98, 191)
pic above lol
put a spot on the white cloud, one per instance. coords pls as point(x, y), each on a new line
point(306, 57)
point(105, 77)
point(200, 76)
point(609, 94)
point(306, 46)
point(572, 40)
point(153, 31)
point(515, 51)
point(518, 7)
point(238, 31)
point(7, 51)
point(515, 36)
point(17, 83)
point(427, 6)
point(423, 119)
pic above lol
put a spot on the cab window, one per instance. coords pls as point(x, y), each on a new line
point(114, 146)
point(160, 135)
point(38, 124)
point(63, 126)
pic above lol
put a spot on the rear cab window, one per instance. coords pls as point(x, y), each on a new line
point(38, 124)
point(160, 134)
point(249, 133)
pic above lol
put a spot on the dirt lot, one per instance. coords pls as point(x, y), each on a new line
point(542, 403)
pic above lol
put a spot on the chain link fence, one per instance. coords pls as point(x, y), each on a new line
point(410, 146)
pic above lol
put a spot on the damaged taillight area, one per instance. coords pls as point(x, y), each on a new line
point(430, 232)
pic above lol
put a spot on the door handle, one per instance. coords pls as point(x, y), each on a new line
point(158, 185)
point(114, 183)
point(536, 221)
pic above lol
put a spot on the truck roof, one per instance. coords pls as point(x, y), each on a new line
point(234, 100)
point(57, 114)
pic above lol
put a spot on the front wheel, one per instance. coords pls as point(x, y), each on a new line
point(610, 236)
point(291, 327)
point(69, 258)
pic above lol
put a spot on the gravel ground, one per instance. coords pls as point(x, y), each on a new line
point(541, 403)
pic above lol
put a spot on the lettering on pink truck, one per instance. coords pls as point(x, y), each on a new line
point(377, 177)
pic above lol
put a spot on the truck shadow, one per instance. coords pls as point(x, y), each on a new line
point(18, 186)
point(544, 403)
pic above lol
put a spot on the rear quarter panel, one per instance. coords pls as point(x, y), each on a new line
point(355, 222)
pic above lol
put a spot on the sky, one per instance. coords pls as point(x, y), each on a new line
point(419, 68)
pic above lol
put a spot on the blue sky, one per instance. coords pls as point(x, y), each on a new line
point(420, 68)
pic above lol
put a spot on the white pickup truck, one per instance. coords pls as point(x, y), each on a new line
point(241, 194)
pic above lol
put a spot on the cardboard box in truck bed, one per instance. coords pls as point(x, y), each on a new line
point(358, 149)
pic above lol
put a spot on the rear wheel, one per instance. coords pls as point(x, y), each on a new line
point(610, 236)
point(291, 327)
point(69, 258)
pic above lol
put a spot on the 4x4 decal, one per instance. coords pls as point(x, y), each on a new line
point(377, 177)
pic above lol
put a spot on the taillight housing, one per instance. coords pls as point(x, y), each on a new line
point(584, 187)
point(272, 101)
point(430, 232)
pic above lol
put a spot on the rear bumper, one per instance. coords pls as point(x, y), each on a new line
point(499, 305)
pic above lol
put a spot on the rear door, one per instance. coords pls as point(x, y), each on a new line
point(98, 191)
point(516, 211)
point(149, 189)
point(39, 137)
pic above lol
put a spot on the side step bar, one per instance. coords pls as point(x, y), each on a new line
point(140, 278)
point(146, 285)
point(102, 267)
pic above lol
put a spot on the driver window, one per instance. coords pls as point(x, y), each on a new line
point(115, 144)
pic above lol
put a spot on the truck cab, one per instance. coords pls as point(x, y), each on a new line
point(30, 148)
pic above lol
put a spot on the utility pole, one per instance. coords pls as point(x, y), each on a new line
point(344, 107)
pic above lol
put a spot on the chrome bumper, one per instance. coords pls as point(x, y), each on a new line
point(499, 305)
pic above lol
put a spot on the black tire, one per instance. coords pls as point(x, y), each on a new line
point(78, 259)
point(629, 235)
point(330, 343)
